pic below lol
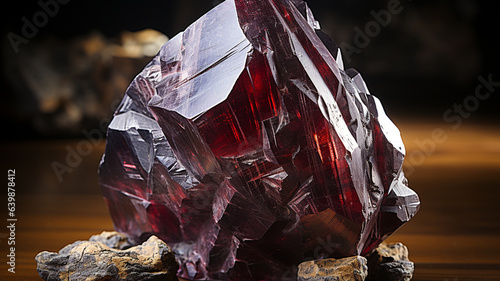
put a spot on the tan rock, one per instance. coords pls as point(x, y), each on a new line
point(390, 252)
point(390, 262)
point(93, 261)
point(346, 269)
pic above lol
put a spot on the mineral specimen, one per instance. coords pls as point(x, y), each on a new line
point(246, 146)
point(346, 269)
point(94, 261)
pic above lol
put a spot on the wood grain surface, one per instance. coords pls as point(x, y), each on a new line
point(455, 236)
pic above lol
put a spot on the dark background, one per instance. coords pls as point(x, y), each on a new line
point(426, 60)
point(423, 63)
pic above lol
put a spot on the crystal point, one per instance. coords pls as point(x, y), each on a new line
point(247, 148)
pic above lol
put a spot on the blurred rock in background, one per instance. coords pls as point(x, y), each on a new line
point(65, 86)
point(420, 57)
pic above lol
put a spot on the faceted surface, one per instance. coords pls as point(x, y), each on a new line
point(248, 148)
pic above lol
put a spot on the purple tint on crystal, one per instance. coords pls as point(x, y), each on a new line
point(248, 148)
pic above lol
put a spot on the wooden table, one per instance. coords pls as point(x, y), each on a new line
point(455, 236)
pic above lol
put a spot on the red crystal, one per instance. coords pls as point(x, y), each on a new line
point(248, 148)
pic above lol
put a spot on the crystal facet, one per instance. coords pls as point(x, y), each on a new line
point(247, 148)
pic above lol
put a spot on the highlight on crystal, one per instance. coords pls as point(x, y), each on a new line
point(246, 142)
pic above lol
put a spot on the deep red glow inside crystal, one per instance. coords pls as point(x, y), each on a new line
point(248, 148)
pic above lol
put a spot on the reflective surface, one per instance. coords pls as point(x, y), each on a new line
point(455, 236)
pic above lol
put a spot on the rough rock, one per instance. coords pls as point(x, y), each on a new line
point(390, 262)
point(396, 271)
point(94, 261)
point(346, 269)
point(113, 239)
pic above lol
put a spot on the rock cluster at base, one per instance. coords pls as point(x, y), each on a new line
point(111, 256)
point(95, 261)
point(388, 262)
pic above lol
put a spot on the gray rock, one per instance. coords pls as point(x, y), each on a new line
point(346, 269)
point(390, 262)
point(396, 271)
point(94, 261)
